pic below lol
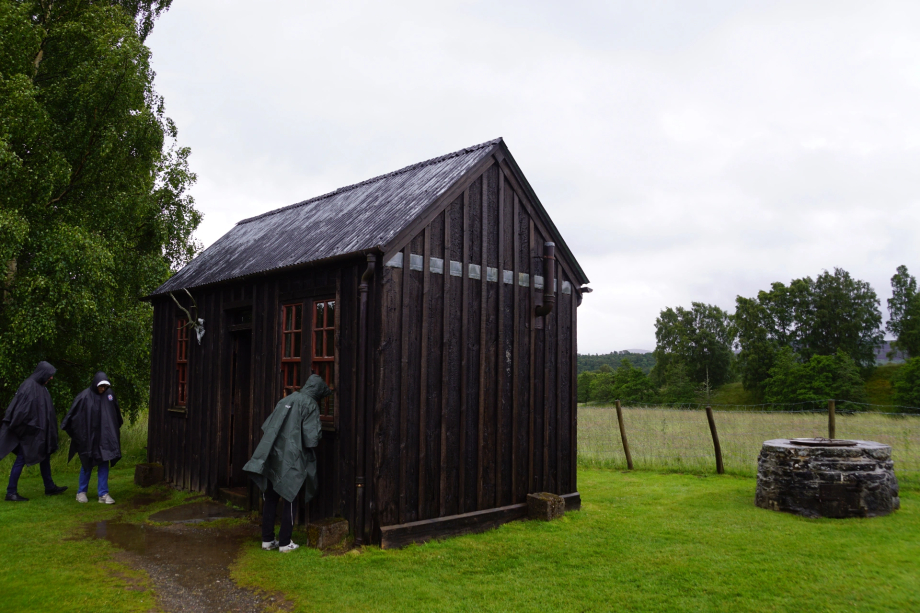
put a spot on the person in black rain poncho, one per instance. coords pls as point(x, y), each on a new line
point(29, 429)
point(94, 425)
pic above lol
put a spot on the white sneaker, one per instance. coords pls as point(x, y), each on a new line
point(106, 499)
point(269, 545)
point(288, 548)
point(81, 497)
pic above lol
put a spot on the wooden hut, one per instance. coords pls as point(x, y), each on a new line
point(432, 300)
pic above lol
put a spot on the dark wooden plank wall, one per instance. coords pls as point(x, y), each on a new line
point(183, 442)
point(474, 402)
point(193, 446)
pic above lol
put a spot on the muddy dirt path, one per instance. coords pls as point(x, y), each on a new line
point(188, 565)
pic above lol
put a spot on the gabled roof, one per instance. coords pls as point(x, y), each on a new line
point(360, 218)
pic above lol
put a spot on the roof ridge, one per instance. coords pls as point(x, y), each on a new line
point(339, 190)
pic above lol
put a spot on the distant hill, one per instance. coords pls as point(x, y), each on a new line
point(639, 358)
point(881, 354)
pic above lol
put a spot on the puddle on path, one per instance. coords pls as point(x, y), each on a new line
point(197, 512)
point(188, 565)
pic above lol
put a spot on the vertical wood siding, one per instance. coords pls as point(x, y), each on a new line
point(474, 404)
point(471, 397)
point(193, 447)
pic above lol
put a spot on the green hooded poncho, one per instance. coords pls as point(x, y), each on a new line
point(285, 454)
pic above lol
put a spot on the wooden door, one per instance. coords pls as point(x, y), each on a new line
point(240, 407)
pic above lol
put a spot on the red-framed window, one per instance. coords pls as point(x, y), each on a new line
point(323, 359)
point(181, 361)
point(291, 343)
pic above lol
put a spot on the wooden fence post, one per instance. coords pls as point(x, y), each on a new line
point(629, 463)
point(831, 419)
point(720, 468)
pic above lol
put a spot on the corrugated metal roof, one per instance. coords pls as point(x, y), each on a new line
point(351, 219)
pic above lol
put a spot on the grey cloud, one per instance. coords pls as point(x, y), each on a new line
point(687, 151)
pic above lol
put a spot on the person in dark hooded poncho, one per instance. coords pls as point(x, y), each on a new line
point(285, 459)
point(94, 425)
point(29, 429)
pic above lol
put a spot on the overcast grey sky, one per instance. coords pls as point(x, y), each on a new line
point(687, 151)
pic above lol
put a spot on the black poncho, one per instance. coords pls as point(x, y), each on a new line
point(94, 425)
point(29, 422)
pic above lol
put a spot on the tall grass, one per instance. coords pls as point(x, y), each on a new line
point(133, 451)
point(679, 439)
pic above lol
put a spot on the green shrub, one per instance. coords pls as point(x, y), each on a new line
point(678, 386)
point(906, 384)
point(821, 378)
point(627, 383)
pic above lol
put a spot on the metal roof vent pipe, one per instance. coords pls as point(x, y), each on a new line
point(549, 269)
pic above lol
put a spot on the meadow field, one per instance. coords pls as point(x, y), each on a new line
point(673, 439)
point(668, 536)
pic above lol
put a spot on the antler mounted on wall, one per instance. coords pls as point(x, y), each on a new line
point(193, 321)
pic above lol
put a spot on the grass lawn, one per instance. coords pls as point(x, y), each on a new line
point(643, 542)
point(46, 566)
point(734, 393)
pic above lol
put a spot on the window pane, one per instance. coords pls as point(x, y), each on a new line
point(318, 344)
point(286, 338)
point(330, 343)
point(297, 342)
point(331, 381)
point(298, 317)
point(330, 314)
point(287, 318)
point(318, 321)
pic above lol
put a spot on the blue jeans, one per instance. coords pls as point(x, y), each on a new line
point(102, 473)
point(20, 463)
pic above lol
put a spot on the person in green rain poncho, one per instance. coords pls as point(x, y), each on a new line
point(285, 459)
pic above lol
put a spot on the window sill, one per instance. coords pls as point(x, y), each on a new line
point(178, 411)
point(328, 426)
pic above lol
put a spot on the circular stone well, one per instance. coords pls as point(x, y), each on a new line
point(827, 478)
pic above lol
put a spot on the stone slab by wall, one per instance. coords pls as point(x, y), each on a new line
point(545, 506)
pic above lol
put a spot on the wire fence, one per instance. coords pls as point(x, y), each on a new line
point(679, 438)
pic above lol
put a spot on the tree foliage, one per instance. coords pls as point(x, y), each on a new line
point(626, 383)
point(904, 312)
point(588, 362)
point(820, 378)
point(906, 384)
point(677, 386)
point(700, 339)
point(819, 317)
point(93, 206)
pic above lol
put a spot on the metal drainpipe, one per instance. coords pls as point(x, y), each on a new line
point(549, 269)
point(360, 405)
